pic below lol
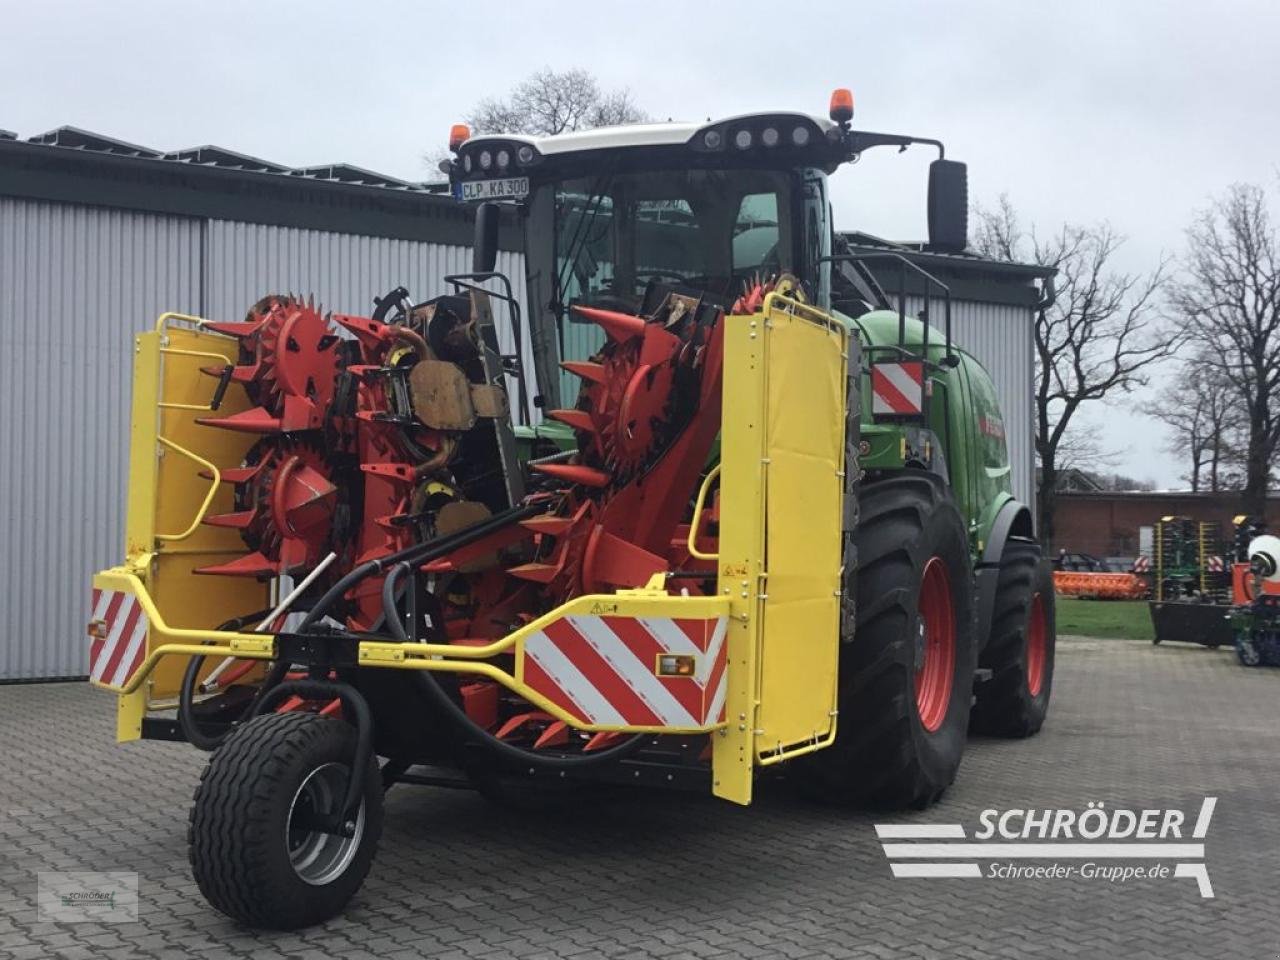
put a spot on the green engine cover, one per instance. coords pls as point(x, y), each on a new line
point(962, 433)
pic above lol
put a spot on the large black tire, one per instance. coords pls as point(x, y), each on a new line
point(241, 846)
point(885, 754)
point(1015, 700)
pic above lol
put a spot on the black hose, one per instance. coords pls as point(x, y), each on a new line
point(418, 553)
point(358, 714)
point(187, 721)
point(430, 686)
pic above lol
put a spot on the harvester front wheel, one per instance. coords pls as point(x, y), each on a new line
point(257, 850)
point(906, 670)
point(1020, 653)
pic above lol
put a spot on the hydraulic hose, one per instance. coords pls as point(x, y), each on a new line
point(430, 687)
point(418, 553)
point(187, 721)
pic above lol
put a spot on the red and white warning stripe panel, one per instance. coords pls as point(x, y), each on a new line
point(620, 672)
point(118, 637)
point(897, 389)
point(1216, 564)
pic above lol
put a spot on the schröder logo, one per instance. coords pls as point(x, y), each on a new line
point(1096, 843)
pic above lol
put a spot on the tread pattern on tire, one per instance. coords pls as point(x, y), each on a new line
point(1002, 705)
point(231, 829)
point(875, 762)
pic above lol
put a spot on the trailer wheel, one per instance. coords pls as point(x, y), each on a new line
point(1020, 653)
point(906, 670)
point(255, 849)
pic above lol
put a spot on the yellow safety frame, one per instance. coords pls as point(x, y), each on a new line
point(782, 650)
point(651, 601)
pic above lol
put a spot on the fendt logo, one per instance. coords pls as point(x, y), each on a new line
point(1115, 845)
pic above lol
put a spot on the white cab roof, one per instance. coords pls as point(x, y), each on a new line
point(633, 135)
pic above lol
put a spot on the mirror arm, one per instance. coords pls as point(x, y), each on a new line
point(856, 141)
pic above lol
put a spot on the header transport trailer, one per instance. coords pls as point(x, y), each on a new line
point(782, 534)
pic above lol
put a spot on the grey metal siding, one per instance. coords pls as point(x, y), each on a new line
point(1002, 338)
point(76, 283)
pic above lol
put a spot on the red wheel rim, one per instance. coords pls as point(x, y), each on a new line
point(936, 651)
point(1037, 631)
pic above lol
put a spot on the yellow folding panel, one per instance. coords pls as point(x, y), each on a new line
point(782, 453)
point(171, 489)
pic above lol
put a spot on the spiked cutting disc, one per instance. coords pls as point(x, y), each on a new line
point(647, 413)
point(288, 365)
point(284, 511)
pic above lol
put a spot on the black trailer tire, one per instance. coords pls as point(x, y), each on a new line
point(246, 859)
point(1020, 652)
point(887, 752)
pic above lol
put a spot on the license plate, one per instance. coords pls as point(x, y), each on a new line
point(510, 189)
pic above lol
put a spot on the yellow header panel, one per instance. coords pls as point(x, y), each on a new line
point(174, 464)
point(805, 395)
point(782, 453)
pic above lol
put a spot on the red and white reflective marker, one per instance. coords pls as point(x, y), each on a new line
point(897, 389)
point(605, 670)
point(118, 628)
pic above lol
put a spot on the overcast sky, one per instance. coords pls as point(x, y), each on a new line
point(1136, 112)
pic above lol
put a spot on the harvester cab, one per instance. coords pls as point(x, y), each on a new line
point(775, 530)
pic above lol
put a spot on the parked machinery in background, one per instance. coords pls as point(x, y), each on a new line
point(1255, 582)
point(1092, 578)
point(1191, 587)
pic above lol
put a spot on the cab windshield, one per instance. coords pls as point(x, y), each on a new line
point(710, 229)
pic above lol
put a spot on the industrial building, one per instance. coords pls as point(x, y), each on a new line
point(98, 237)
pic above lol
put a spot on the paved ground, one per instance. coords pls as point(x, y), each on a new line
point(671, 876)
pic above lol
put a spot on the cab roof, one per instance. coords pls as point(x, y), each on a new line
point(670, 133)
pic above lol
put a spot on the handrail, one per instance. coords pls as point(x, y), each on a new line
point(208, 499)
point(930, 281)
point(697, 515)
point(164, 318)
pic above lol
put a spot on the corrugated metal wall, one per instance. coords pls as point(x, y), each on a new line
point(1002, 338)
point(75, 284)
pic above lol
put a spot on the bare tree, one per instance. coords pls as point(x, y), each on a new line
point(1198, 406)
point(1229, 293)
point(1098, 337)
point(549, 102)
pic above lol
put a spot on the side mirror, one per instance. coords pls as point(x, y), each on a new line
point(948, 205)
point(484, 249)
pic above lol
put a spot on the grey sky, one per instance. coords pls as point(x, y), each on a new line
point(1131, 111)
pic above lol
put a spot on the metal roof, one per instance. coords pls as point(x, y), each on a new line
point(71, 165)
point(222, 157)
point(209, 155)
point(921, 254)
point(77, 139)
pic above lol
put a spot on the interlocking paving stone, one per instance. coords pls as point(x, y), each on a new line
point(647, 874)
